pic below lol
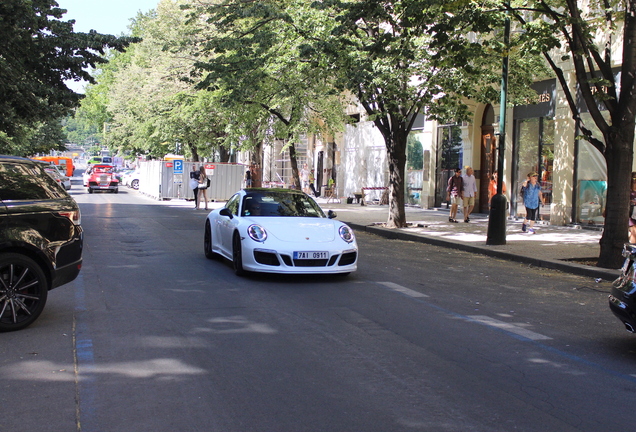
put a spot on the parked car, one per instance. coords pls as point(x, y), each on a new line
point(55, 174)
point(131, 179)
point(101, 178)
point(64, 179)
point(120, 173)
point(41, 240)
point(279, 231)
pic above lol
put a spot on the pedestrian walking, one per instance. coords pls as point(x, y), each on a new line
point(532, 197)
point(470, 191)
point(304, 179)
point(248, 177)
point(203, 187)
point(492, 187)
point(194, 184)
point(455, 193)
point(312, 180)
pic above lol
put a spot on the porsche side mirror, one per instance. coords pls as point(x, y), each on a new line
point(332, 214)
point(226, 212)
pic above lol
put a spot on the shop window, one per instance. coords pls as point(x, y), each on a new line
point(591, 174)
point(449, 157)
point(535, 153)
point(414, 168)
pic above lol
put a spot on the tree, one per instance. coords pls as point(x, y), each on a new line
point(146, 98)
point(401, 58)
point(605, 70)
point(256, 62)
point(38, 52)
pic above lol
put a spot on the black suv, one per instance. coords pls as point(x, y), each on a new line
point(40, 240)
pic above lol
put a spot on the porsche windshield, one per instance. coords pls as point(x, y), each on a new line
point(279, 203)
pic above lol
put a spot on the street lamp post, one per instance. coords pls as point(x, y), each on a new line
point(499, 203)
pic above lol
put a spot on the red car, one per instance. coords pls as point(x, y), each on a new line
point(102, 177)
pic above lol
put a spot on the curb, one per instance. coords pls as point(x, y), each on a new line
point(567, 267)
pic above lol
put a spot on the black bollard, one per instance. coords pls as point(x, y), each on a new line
point(497, 220)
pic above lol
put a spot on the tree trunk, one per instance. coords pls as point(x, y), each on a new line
point(294, 166)
point(396, 152)
point(224, 154)
point(619, 157)
point(194, 152)
point(255, 162)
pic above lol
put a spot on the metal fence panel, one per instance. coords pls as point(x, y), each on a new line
point(158, 180)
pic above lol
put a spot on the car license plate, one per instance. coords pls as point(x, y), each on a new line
point(311, 255)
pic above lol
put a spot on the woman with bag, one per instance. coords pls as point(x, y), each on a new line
point(532, 197)
point(194, 185)
point(203, 187)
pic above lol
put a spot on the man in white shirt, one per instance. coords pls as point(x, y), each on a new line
point(470, 190)
point(304, 179)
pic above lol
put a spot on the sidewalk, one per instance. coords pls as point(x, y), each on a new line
point(555, 247)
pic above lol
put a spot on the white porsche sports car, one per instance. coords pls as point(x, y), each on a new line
point(279, 231)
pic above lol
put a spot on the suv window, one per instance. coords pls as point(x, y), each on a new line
point(24, 182)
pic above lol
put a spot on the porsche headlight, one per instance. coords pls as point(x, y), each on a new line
point(257, 233)
point(346, 233)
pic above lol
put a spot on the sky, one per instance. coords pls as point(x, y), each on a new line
point(105, 16)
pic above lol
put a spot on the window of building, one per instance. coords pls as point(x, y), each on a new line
point(591, 178)
point(449, 157)
point(535, 153)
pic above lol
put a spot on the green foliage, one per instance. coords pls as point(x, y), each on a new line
point(38, 52)
point(37, 138)
point(262, 66)
point(145, 98)
point(415, 153)
point(81, 132)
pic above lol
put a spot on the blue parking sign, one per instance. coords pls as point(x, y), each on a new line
point(178, 166)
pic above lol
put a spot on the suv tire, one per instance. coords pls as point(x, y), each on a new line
point(23, 291)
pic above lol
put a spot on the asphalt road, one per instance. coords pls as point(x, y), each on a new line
point(154, 337)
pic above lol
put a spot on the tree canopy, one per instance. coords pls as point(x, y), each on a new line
point(39, 52)
point(257, 62)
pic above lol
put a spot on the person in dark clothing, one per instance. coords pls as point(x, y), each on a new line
point(194, 184)
point(248, 177)
point(455, 193)
point(312, 179)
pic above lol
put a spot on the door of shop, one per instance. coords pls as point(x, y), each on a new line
point(488, 164)
point(449, 157)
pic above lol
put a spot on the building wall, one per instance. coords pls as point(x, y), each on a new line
point(363, 159)
point(564, 143)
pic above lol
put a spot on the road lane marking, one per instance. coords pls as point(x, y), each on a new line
point(403, 290)
point(520, 331)
point(84, 363)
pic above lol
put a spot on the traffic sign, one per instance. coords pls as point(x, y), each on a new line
point(178, 166)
